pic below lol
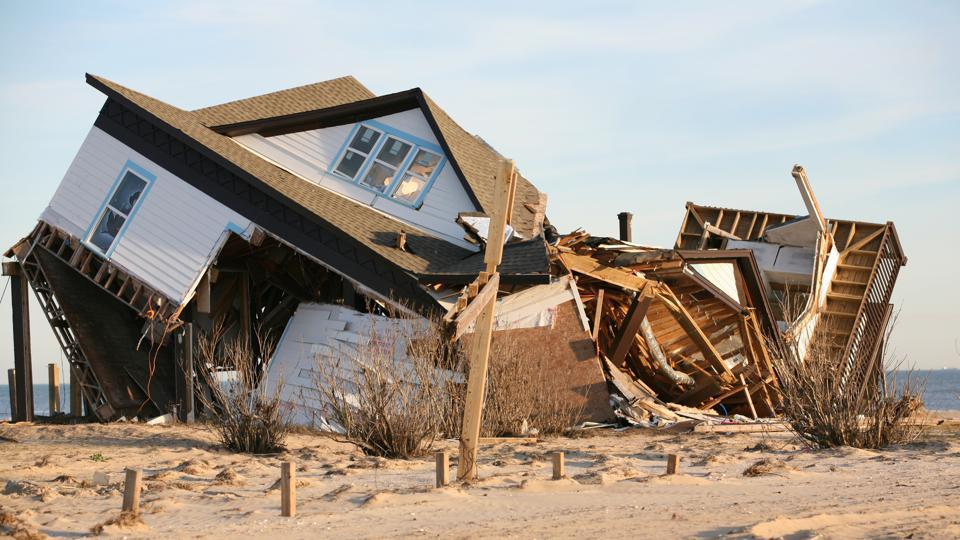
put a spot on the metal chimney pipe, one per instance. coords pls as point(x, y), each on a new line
point(626, 229)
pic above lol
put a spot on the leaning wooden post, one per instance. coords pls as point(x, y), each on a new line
point(22, 363)
point(558, 468)
point(746, 392)
point(131, 491)
point(12, 386)
point(673, 464)
point(443, 468)
point(480, 350)
point(76, 397)
point(53, 380)
point(288, 489)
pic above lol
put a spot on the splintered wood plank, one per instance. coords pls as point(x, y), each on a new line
point(597, 315)
point(472, 311)
point(583, 264)
point(629, 327)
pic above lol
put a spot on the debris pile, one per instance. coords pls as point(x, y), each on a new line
point(677, 327)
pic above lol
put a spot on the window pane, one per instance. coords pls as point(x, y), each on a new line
point(394, 152)
point(379, 177)
point(350, 163)
point(129, 190)
point(106, 231)
point(365, 139)
point(424, 163)
point(410, 188)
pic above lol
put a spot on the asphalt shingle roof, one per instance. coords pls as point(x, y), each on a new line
point(368, 226)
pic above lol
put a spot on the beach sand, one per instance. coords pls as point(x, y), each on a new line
point(615, 487)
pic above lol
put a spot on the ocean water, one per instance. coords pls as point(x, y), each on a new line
point(941, 393)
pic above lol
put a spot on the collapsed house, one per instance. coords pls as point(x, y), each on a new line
point(281, 214)
point(311, 213)
point(697, 325)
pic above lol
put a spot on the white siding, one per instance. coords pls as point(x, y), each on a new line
point(169, 240)
point(340, 338)
point(309, 154)
point(721, 275)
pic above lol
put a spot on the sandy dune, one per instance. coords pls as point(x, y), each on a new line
point(615, 487)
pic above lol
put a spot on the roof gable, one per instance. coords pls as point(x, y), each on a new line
point(371, 228)
point(304, 108)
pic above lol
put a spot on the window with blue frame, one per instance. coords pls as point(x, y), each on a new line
point(118, 208)
point(390, 163)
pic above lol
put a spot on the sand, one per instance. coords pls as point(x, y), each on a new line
point(615, 487)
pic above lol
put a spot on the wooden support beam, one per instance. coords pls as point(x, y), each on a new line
point(183, 372)
point(22, 361)
point(746, 392)
point(627, 332)
point(583, 264)
point(76, 395)
point(12, 388)
point(480, 352)
point(720, 232)
point(53, 383)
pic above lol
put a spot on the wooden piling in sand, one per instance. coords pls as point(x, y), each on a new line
point(443, 468)
point(12, 387)
point(76, 398)
point(673, 464)
point(131, 491)
point(558, 466)
point(53, 381)
point(288, 489)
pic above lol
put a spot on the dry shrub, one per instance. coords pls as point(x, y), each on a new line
point(826, 407)
point(245, 415)
point(767, 466)
point(404, 387)
point(523, 395)
point(124, 520)
point(392, 393)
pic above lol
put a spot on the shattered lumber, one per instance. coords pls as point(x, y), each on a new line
point(669, 336)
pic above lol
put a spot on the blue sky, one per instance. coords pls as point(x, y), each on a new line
point(615, 106)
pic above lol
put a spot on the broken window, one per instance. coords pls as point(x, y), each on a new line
point(376, 160)
point(117, 210)
point(381, 174)
point(417, 176)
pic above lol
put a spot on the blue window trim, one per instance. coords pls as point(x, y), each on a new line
point(417, 143)
point(144, 175)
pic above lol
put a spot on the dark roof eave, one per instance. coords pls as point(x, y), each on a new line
point(327, 117)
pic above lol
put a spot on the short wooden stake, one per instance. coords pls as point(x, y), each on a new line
point(288, 489)
point(131, 491)
point(443, 468)
point(673, 464)
point(558, 471)
point(53, 380)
